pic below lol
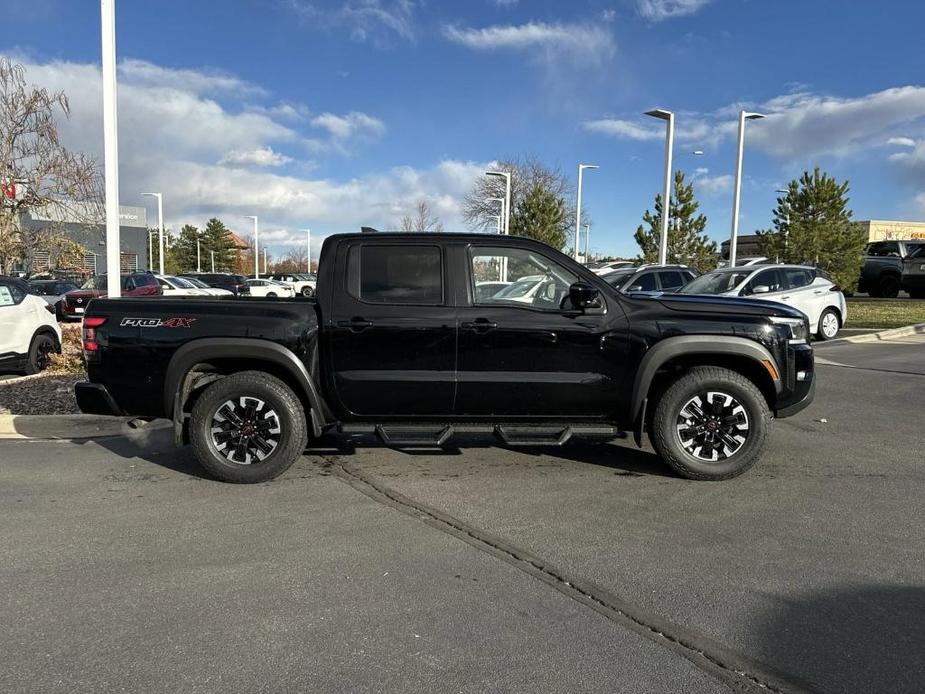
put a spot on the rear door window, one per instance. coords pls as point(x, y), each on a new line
point(797, 279)
point(397, 274)
point(671, 279)
point(643, 283)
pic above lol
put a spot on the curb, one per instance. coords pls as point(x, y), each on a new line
point(61, 427)
point(906, 331)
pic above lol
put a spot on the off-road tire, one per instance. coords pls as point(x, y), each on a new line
point(39, 350)
point(663, 427)
point(820, 335)
point(888, 286)
point(279, 397)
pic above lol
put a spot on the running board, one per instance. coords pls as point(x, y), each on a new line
point(437, 434)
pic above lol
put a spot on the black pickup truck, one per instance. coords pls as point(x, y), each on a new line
point(418, 337)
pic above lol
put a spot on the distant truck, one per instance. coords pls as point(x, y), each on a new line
point(399, 343)
point(882, 273)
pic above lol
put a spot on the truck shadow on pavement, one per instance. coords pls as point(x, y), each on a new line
point(858, 639)
point(624, 458)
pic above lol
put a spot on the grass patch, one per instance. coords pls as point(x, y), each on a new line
point(884, 313)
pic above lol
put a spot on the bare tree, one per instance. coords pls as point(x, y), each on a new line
point(421, 220)
point(38, 174)
point(527, 173)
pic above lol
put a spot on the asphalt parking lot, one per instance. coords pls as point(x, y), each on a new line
point(585, 568)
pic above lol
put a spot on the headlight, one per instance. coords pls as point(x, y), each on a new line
point(799, 332)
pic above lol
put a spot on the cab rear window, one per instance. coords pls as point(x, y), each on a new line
point(398, 274)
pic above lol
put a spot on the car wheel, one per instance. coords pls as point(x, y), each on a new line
point(888, 287)
point(308, 292)
point(40, 351)
point(829, 325)
point(710, 424)
point(248, 427)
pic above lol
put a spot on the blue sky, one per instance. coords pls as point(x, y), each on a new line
point(334, 114)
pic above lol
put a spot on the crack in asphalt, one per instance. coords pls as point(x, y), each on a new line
point(737, 671)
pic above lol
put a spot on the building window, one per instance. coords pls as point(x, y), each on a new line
point(128, 262)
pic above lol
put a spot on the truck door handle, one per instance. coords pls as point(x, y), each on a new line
point(355, 324)
point(479, 325)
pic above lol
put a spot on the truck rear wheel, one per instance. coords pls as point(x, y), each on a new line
point(711, 424)
point(248, 427)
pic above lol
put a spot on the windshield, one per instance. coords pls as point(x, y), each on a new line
point(518, 288)
point(180, 282)
point(716, 283)
point(918, 251)
point(98, 282)
point(196, 283)
point(618, 277)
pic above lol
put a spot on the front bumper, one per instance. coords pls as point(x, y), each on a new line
point(799, 382)
point(94, 398)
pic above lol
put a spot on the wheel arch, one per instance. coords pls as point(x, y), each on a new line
point(738, 354)
point(200, 362)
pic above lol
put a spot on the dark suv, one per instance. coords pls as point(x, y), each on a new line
point(650, 278)
point(236, 284)
point(881, 275)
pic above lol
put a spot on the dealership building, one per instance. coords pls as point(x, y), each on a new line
point(133, 240)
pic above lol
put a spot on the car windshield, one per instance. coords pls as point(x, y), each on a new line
point(619, 276)
point(196, 283)
point(97, 282)
point(518, 288)
point(180, 282)
point(918, 251)
point(716, 282)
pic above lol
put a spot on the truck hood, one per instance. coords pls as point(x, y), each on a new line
point(726, 305)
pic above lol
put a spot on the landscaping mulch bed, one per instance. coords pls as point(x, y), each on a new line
point(44, 393)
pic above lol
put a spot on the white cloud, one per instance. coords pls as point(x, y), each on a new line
point(711, 185)
point(261, 156)
point(505, 3)
point(797, 126)
point(581, 41)
point(658, 10)
point(221, 157)
point(901, 142)
point(349, 126)
point(142, 73)
point(374, 21)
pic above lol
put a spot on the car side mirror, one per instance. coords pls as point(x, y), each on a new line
point(583, 295)
point(761, 289)
point(635, 288)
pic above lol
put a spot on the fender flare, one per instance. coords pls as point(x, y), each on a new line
point(672, 347)
point(177, 385)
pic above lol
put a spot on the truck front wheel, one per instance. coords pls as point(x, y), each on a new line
point(710, 424)
point(248, 427)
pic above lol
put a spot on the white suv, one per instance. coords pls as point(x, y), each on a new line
point(29, 332)
point(301, 283)
point(805, 288)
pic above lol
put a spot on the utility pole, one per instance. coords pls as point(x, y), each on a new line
point(111, 149)
point(581, 169)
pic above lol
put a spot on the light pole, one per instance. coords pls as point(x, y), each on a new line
point(309, 248)
point(256, 253)
point(500, 216)
point(581, 169)
point(506, 205)
point(160, 226)
point(213, 260)
point(743, 116)
point(497, 218)
point(264, 260)
point(587, 241)
point(198, 255)
point(668, 117)
point(785, 191)
point(111, 148)
point(150, 250)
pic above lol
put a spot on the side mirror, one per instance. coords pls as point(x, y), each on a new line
point(761, 289)
point(635, 288)
point(583, 295)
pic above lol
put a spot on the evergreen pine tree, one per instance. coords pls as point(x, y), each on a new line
point(183, 250)
point(541, 216)
point(812, 224)
point(687, 242)
point(216, 237)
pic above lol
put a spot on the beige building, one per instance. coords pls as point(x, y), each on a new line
point(882, 230)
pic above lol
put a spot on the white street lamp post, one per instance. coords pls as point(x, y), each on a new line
point(785, 191)
point(213, 260)
point(581, 169)
point(150, 251)
point(160, 226)
point(497, 218)
point(256, 253)
point(264, 260)
point(506, 208)
point(587, 241)
point(111, 148)
point(309, 249)
point(668, 117)
point(743, 116)
point(500, 216)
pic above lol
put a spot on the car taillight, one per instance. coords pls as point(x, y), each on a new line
point(90, 325)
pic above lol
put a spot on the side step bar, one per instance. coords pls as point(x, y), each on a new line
point(436, 435)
